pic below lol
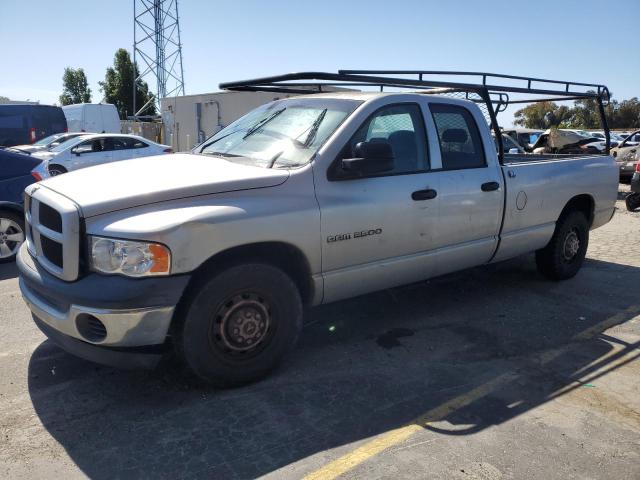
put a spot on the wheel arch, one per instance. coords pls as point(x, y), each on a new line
point(285, 256)
point(580, 203)
point(11, 207)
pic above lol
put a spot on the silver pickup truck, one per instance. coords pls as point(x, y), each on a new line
point(307, 200)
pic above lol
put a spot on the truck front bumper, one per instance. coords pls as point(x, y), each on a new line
point(113, 320)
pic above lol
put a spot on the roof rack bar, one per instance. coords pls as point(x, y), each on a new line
point(468, 74)
point(296, 83)
point(367, 79)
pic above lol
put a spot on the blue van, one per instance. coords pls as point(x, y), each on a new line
point(15, 175)
point(22, 124)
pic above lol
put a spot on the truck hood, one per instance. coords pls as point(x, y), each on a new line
point(142, 181)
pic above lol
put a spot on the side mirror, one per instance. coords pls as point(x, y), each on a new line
point(75, 152)
point(370, 158)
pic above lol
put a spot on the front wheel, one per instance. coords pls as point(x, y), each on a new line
point(564, 254)
point(239, 324)
point(11, 235)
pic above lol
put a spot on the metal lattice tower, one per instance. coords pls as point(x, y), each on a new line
point(156, 40)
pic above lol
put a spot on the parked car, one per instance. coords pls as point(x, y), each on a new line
point(15, 175)
point(632, 200)
point(25, 124)
point(566, 141)
point(92, 117)
point(47, 143)
point(626, 156)
point(305, 200)
point(525, 137)
point(96, 149)
point(614, 139)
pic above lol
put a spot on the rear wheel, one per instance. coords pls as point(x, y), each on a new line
point(55, 170)
point(239, 324)
point(563, 256)
point(11, 235)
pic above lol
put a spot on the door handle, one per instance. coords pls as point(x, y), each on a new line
point(427, 194)
point(490, 186)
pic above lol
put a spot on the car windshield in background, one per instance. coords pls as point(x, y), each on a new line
point(48, 140)
point(281, 134)
point(533, 138)
point(64, 145)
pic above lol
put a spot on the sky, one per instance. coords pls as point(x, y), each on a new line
point(584, 41)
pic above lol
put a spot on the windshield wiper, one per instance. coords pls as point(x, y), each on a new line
point(314, 129)
point(220, 154)
point(263, 122)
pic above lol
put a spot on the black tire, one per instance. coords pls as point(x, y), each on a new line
point(11, 223)
point(562, 257)
point(632, 201)
point(239, 324)
point(55, 170)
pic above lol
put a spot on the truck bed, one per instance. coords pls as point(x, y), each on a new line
point(539, 186)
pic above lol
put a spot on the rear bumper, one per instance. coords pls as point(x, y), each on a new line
point(129, 313)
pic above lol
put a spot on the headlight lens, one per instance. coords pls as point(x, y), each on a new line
point(130, 258)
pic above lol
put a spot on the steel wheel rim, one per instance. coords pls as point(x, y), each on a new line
point(571, 245)
point(11, 237)
point(242, 324)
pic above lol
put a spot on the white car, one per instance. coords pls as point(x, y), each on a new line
point(47, 143)
point(96, 149)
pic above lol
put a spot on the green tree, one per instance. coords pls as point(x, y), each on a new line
point(542, 115)
point(626, 115)
point(4, 99)
point(118, 86)
point(75, 87)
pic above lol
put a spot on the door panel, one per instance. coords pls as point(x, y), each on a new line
point(471, 189)
point(374, 233)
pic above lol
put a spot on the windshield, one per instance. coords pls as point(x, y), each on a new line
point(281, 134)
point(66, 144)
point(48, 140)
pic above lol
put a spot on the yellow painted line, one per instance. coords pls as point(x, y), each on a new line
point(359, 455)
point(607, 323)
point(382, 442)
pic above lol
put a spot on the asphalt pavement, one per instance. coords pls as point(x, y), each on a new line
point(489, 373)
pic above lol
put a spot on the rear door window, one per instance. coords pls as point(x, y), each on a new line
point(133, 143)
point(458, 136)
point(57, 120)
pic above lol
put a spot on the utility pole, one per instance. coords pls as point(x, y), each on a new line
point(156, 41)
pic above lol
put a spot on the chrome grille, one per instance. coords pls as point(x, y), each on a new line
point(53, 231)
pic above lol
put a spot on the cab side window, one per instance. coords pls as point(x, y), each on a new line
point(459, 137)
point(402, 126)
point(85, 147)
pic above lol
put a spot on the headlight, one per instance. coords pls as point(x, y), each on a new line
point(130, 258)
